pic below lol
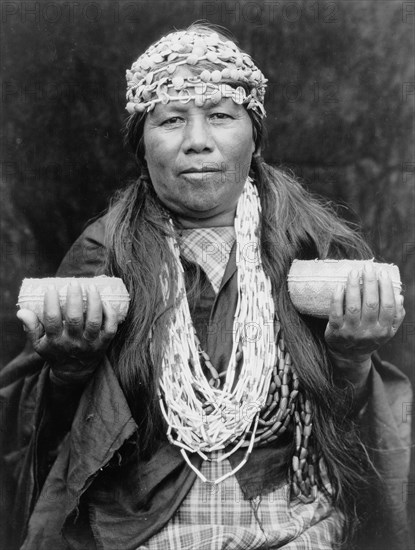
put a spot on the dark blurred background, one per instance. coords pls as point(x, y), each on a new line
point(340, 115)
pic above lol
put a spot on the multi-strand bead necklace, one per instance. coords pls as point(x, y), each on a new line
point(204, 415)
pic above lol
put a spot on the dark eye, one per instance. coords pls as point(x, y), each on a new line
point(220, 116)
point(172, 121)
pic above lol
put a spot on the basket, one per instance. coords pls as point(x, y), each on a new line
point(111, 290)
point(311, 283)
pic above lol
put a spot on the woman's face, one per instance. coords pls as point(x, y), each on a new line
point(199, 158)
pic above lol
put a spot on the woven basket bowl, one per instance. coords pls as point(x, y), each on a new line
point(311, 283)
point(111, 290)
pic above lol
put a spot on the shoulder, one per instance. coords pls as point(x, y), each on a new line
point(86, 257)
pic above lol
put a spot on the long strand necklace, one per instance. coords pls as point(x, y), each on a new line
point(258, 406)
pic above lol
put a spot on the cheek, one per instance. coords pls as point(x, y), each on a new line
point(241, 151)
point(157, 158)
point(246, 146)
point(156, 150)
point(151, 150)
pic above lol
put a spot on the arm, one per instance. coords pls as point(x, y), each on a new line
point(68, 375)
point(385, 429)
point(39, 393)
point(359, 323)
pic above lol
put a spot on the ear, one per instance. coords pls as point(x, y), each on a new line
point(253, 145)
point(254, 140)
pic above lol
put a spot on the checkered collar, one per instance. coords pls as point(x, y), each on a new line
point(210, 248)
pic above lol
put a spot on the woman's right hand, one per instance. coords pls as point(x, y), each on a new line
point(72, 342)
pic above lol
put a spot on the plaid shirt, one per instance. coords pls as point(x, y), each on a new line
point(210, 248)
point(216, 517)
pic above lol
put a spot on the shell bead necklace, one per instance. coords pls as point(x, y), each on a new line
point(256, 408)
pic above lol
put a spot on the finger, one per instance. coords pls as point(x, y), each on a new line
point(370, 299)
point(93, 320)
point(388, 308)
point(74, 315)
point(399, 315)
point(31, 323)
point(52, 316)
point(353, 299)
point(110, 323)
point(337, 308)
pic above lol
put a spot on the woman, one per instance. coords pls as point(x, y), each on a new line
point(215, 416)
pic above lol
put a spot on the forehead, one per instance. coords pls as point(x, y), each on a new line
point(183, 104)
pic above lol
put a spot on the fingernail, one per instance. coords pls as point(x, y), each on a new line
point(383, 274)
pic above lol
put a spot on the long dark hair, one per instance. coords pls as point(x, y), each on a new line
point(294, 224)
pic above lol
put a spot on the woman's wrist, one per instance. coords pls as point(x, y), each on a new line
point(74, 373)
point(63, 394)
point(352, 370)
point(361, 362)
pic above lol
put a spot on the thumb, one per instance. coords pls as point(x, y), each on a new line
point(31, 324)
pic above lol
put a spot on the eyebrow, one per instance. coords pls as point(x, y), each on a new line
point(180, 107)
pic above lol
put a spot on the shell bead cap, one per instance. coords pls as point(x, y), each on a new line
point(154, 74)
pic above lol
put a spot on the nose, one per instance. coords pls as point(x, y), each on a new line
point(197, 136)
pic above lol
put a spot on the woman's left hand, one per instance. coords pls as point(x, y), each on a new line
point(361, 322)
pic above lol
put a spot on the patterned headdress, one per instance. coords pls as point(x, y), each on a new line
point(155, 74)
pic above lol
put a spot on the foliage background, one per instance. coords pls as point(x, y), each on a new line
point(340, 115)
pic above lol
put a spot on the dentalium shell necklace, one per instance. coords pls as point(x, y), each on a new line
point(257, 407)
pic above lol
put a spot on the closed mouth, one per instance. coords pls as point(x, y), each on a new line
point(199, 170)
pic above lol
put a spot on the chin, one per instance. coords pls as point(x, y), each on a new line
point(203, 210)
point(201, 203)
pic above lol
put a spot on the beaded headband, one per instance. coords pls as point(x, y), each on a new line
point(147, 83)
